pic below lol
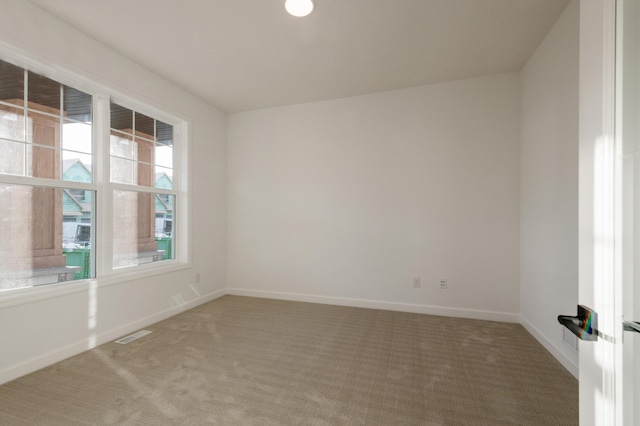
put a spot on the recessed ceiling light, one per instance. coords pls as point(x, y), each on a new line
point(299, 7)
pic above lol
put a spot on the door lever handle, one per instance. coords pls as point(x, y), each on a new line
point(631, 326)
point(584, 325)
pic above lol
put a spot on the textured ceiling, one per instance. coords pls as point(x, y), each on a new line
point(245, 54)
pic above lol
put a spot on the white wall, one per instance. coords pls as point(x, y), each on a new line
point(549, 186)
point(345, 201)
point(42, 331)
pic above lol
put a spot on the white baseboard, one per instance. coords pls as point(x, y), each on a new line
point(34, 364)
point(567, 361)
point(377, 304)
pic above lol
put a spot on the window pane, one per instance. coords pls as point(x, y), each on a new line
point(76, 137)
point(123, 171)
point(76, 167)
point(43, 129)
point(164, 156)
point(77, 231)
point(43, 162)
point(144, 151)
point(164, 178)
point(134, 233)
point(121, 118)
point(164, 133)
point(44, 92)
point(145, 174)
point(77, 105)
point(145, 159)
point(123, 146)
point(164, 152)
point(164, 225)
point(11, 123)
point(11, 84)
point(39, 232)
point(12, 158)
point(145, 127)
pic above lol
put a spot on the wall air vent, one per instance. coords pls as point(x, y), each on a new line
point(134, 336)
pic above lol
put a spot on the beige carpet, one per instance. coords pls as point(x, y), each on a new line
point(247, 361)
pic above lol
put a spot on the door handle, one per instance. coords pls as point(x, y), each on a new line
point(584, 325)
point(631, 326)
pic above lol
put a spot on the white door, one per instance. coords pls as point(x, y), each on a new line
point(609, 209)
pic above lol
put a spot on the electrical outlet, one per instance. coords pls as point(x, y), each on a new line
point(197, 277)
point(443, 283)
point(416, 282)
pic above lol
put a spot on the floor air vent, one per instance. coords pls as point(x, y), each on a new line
point(134, 336)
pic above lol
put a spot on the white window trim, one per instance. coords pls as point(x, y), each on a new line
point(106, 275)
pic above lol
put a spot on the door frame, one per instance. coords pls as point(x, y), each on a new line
point(599, 216)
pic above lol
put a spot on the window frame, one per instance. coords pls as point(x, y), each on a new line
point(102, 234)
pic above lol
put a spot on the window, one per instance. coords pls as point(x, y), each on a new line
point(141, 151)
point(49, 191)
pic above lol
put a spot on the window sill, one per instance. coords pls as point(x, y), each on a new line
point(21, 296)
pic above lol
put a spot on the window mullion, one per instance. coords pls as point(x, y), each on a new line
point(103, 239)
point(182, 213)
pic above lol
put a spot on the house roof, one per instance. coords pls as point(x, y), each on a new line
point(67, 164)
point(167, 207)
point(84, 207)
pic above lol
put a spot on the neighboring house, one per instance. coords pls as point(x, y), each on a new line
point(77, 202)
point(163, 181)
point(76, 205)
point(164, 205)
point(75, 170)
